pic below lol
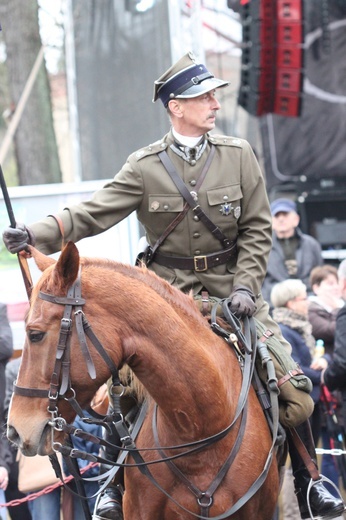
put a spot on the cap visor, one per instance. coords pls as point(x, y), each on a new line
point(206, 86)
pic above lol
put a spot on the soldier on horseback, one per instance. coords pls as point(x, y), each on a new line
point(202, 200)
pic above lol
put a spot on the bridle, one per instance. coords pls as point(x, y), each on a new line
point(60, 388)
point(60, 383)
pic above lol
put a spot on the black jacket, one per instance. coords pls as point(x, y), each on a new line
point(308, 255)
point(335, 373)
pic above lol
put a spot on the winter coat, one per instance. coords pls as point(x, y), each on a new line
point(323, 324)
point(302, 355)
point(308, 256)
point(335, 373)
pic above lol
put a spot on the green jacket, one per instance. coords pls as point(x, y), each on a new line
point(144, 186)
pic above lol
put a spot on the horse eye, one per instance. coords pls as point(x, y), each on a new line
point(35, 336)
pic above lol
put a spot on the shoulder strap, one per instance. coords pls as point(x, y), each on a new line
point(166, 161)
point(182, 214)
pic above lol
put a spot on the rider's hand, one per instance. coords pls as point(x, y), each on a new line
point(242, 302)
point(17, 239)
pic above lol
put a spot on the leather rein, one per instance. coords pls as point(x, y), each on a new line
point(73, 303)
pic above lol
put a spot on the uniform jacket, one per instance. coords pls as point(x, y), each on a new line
point(335, 373)
point(144, 186)
point(308, 255)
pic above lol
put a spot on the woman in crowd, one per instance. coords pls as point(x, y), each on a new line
point(291, 305)
point(290, 311)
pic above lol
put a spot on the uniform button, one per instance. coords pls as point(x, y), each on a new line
point(166, 207)
point(197, 252)
point(225, 197)
point(193, 162)
point(193, 182)
point(196, 218)
point(196, 235)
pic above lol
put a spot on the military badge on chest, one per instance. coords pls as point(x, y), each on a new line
point(227, 208)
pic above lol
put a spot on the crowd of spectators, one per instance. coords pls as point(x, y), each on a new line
point(307, 299)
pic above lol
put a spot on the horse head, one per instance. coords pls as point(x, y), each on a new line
point(50, 355)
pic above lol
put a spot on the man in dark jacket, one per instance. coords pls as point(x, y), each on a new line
point(335, 375)
point(293, 253)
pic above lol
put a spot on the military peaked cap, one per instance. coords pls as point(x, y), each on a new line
point(185, 79)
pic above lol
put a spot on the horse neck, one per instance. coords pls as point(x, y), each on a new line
point(173, 352)
point(189, 384)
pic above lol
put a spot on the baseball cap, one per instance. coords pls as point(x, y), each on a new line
point(185, 79)
point(284, 205)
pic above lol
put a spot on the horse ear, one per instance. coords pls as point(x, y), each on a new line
point(42, 261)
point(67, 266)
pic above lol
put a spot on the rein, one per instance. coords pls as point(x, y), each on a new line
point(60, 387)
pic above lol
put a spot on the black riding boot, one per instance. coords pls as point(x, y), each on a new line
point(109, 505)
point(322, 503)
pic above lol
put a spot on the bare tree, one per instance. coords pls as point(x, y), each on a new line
point(35, 143)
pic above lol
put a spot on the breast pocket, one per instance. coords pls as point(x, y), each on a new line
point(165, 203)
point(225, 206)
point(162, 210)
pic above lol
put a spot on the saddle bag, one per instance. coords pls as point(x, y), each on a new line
point(296, 404)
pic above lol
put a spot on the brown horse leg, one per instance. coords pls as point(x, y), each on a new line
point(323, 504)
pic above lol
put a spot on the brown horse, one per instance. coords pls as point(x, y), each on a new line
point(191, 374)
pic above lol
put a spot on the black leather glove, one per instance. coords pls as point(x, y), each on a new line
point(242, 302)
point(16, 239)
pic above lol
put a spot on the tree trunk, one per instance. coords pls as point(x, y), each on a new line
point(35, 143)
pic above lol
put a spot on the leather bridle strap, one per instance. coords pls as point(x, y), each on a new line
point(73, 300)
point(204, 498)
point(241, 406)
point(83, 328)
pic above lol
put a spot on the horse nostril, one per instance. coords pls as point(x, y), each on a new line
point(12, 435)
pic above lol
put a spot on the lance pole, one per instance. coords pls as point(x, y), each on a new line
point(23, 263)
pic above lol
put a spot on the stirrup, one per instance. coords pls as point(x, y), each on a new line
point(310, 486)
point(116, 513)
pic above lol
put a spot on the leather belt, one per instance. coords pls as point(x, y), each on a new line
point(196, 263)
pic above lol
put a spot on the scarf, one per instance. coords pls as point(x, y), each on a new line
point(297, 322)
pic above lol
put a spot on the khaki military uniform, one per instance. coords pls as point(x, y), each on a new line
point(233, 196)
